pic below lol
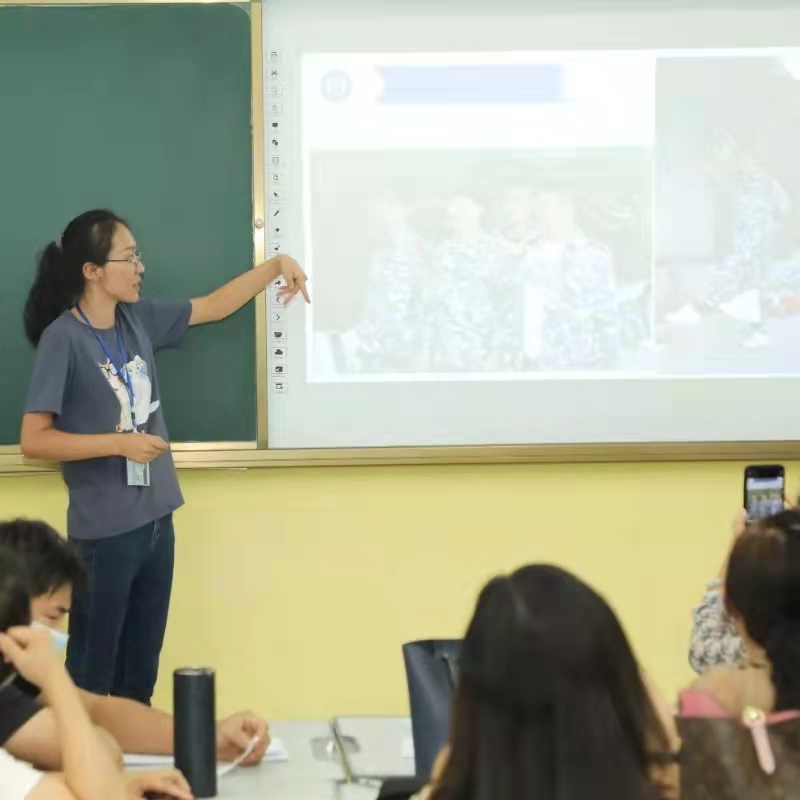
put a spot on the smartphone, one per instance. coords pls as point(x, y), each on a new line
point(764, 490)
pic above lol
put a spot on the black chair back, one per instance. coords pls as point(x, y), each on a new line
point(432, 675)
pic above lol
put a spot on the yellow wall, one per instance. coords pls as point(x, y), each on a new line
point(301, 585)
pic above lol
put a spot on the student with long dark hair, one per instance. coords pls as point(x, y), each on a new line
point(551, 704)
point(94, 406)
point(762, 597)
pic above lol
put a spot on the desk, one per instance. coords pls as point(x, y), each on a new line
point(355, 791)
point(313, 771)
point(376, 747)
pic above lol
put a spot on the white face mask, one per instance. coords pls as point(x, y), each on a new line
point(59, 639)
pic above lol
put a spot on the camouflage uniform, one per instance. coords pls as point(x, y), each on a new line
point(761, 206)
point(782, 283)
point(468, 320)
point(634, 320)
point(389, 329)
point(715, 642)
point(581, 314)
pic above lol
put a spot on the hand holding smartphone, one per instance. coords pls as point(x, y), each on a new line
point(764, 490)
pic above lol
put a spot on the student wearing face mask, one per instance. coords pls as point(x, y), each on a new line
point(91, 768)
point(56, 571)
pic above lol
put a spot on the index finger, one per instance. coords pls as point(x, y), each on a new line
point(22, 635)
point(257, 753)
point(254, 725)
point(304, 290)
point(171, 788)
point(9, 648)
point(177, 778)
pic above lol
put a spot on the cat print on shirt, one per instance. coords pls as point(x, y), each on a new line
point(142, 393)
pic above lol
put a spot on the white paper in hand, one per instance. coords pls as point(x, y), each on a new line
point(222, 771)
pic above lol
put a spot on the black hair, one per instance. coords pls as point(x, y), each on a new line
point(550, 703)
point(50, 561)
point(15, 602)
point(59, 278)
point(15, 596)
point(762, 587)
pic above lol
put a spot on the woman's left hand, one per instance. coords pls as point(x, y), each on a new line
point(161, 783)
point(295, 278)
point(235, 733)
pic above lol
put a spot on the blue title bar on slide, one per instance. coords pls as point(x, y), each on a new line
point(472, 84)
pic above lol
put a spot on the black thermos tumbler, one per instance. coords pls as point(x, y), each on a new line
point(196, 729)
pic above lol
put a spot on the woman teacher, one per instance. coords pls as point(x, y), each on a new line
point(94, 406)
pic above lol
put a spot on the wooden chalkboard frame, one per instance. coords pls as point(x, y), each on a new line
point(255, 454)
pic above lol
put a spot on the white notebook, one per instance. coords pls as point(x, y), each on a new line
point(275, 752)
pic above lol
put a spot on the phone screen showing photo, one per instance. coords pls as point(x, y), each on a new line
point(764, 495)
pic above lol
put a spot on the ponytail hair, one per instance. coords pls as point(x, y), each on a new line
point(59, 280)
point(763, 588)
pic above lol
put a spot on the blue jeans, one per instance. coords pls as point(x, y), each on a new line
point(116, 627)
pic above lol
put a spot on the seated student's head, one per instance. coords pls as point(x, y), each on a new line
point(53, 566)
point(550, 702)
point(762, 591)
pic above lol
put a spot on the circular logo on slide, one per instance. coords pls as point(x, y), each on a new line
point(336, 86)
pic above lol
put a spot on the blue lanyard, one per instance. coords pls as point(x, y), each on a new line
point(122, 373)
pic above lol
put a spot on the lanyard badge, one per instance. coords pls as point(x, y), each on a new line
point(138, 474)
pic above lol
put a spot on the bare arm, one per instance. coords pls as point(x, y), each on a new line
point(236, 293)
point(89, 768)
point(90, 771)
point(136, 727)
point(140, 729)
point(37, 742)
point(51, 787)
point(41, 439)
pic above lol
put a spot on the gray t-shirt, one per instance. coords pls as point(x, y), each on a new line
point(74, 380)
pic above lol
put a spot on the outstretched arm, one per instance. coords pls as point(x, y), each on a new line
point(141, 729)
point(233, 295)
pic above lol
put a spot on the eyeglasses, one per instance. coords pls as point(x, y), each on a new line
point(135, 260)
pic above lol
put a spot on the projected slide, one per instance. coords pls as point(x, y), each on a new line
point(727, 217)
point(519, 216)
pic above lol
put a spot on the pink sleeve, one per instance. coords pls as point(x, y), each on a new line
point(696, 703)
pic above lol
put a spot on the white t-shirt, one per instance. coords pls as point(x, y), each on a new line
point(17, 780)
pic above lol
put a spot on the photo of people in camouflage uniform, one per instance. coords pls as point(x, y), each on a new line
point(728, 297)
point(539, 270)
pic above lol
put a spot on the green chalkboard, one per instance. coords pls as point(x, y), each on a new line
point(145, 109)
